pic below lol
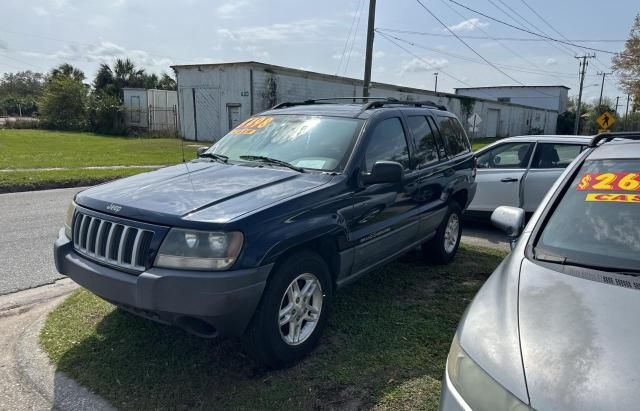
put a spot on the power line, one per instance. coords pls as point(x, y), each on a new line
point(472, 37)
point(355, 34)
point(346, 43)
point(529, 31)
point(483, 31)
point(458, 56)
point(551, 26)
point(465, 43)
point(562, 48)
point(429, 65)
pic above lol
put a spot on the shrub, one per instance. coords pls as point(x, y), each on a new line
point(63, 104)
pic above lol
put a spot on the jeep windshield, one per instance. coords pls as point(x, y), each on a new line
point(596, 224)
point(312, 142)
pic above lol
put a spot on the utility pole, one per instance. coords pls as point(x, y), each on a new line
point(603, 74)
point(617, 99)
point(583, 71)
point(435, 89)
point(626, 112)
point(369, 53)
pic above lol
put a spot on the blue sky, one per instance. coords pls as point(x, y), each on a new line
point(39, 34)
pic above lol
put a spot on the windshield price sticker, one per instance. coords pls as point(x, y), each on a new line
point(610, 182)
point(251, 125)
point(613, 198)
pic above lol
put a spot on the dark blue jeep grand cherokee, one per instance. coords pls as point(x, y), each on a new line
point(253, 238)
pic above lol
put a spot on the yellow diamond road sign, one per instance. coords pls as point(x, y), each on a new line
point(606, 120)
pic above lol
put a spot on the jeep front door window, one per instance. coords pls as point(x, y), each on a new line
point(387, 143)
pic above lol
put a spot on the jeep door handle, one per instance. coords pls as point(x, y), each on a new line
point(509, 180)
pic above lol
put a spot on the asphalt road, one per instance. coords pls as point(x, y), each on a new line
point(30, 221)
point(29, 224)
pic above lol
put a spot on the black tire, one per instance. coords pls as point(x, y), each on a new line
point(263, 340)
point(435, 250)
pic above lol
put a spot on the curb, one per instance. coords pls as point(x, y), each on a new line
point(36, 370)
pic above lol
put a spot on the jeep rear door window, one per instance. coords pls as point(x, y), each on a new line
point(425, 143)
point(549, 155)
point(453, 135)
point(313, 142)
point(388, 143)
point(596, 221)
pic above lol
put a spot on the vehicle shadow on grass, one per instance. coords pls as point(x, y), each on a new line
point(385, 346)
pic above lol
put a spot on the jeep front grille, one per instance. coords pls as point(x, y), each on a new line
point(111, 243)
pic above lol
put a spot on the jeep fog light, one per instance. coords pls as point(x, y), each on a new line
point(199, 250)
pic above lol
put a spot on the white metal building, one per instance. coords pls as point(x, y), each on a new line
point(214, 98)
point(151, 109)
point(546, 97)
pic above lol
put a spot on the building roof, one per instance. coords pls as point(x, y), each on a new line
point(487, 87)
point(341, 79)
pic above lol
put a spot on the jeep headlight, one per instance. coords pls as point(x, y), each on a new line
point(68, 221)
point(478, 389)
point(199, 250)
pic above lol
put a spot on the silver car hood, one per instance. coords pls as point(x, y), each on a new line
point(580, 341)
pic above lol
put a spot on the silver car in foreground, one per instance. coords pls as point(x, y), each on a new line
point(555, 327)
point(518, 171)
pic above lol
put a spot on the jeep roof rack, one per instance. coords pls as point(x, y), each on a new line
point(378, 104)
point(325, 100)
point(608, 136)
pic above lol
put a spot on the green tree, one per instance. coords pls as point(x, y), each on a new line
point(68, 71)
point(63, 104)
point(19, 92)
point(167, 82)
point(626, 65)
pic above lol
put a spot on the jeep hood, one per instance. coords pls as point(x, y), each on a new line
point(579, 340)
point(198, 191)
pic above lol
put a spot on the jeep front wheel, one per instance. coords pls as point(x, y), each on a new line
point(293, 311)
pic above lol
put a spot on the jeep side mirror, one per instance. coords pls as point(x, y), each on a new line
point(509, 219)
point(384, 172)
point(201, 150)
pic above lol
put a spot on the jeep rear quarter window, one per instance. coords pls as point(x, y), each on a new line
point(425, 143)
point(453, 135)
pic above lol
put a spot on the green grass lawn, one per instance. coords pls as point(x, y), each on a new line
point(478, 143)
point(385, 347)
point(43, 149)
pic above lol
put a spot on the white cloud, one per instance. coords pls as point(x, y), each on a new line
point(40, 11)
point(278, 32)
point(99, 21)
point(3, 45)
point(551, 62)
point(254, 51)
point(468, 25)
point(423, 65)
point(103, 52)
point(230, 9)
point(378, 54)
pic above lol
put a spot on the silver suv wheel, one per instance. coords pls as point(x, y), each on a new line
point(300, 309)
point(451, 233)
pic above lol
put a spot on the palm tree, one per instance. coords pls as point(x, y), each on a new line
point(67, 70)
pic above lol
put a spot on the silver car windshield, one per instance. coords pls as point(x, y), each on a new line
point(597, 222)
point(313, 142)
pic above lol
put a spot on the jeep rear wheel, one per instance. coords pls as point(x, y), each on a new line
point(293, 311)
point(442, 248)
